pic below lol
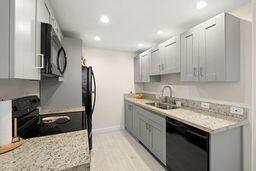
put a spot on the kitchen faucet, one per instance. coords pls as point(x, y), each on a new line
point(166, 99)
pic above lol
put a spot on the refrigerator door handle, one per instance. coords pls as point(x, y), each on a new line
point(94, 100)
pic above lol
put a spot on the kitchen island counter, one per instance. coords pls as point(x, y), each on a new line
point(66, 151)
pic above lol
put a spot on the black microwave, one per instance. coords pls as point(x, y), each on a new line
point(53, 55)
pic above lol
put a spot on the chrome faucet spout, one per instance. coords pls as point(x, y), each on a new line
point(164, 98)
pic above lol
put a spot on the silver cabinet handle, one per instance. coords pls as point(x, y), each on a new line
point(201, 72)
point(162, 67)
point(159, 67)
point(42, 61)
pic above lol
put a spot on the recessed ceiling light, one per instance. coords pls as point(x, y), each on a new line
point(159, 32)
point(104, 19)
point(201, 4)
point(97, 38)
point(140, 45)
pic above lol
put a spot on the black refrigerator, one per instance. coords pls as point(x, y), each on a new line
point(88, 98)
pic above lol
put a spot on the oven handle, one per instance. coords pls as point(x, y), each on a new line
point(54, 119)
point(173, 124)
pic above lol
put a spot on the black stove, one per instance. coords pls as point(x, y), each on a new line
point(31, 124)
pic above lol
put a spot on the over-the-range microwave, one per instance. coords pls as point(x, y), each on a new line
point(53, 55)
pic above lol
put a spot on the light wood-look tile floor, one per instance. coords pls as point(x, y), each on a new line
point(119, 151)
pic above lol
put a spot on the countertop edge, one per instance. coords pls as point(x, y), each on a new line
point(45, 111)
point(225, 128)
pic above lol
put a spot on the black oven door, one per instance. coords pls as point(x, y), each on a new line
point(61, 123)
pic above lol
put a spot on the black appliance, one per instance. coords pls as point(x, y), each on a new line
point(31, 124)
point(53, 56)
point(88, 98)
point(187, 148)
point(27, 114)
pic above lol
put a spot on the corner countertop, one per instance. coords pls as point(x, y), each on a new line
point(55, 152)
point(210, 123)
point(45, 111)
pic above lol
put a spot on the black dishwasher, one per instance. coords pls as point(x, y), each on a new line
point(187, 148)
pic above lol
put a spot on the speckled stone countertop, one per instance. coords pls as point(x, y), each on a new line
point(66, 151)
point(44, 111)
point(202, 120)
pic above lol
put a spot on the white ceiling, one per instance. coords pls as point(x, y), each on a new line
point(133, 21)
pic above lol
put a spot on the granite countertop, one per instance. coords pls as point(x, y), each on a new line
point(210, 123)
point(66, 151)
point(44, 111)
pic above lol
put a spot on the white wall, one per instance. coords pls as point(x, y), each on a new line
point(10, 89)
point(114, 77)
point(253, 117)
point(68, 93)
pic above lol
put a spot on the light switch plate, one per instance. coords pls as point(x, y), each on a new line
point(236, 110)
point(205, 105)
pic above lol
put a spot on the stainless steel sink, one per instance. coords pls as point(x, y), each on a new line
point(166, 106)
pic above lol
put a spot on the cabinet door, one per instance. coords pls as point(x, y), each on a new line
point(137, 69)
point(129, 116)
point(144, 130)
point(144, 67)
point(4, 39)
point(212, 50)
point(23, 57)
point(171, 56)
point(136, 125)
point(158, 140)
point(155, 68)
point(189, 55)
point(43, 16)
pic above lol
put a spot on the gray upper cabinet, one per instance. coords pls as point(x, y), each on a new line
point(18, 57)
point(142, 68)
point(170, 56)
point(189, 55)
point(156, 63)
point(217, 57)
point(165, 58)
point(144, 57)
point(20, 38)
point(137, 69)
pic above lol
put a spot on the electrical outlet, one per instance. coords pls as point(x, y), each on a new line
point(236, 110)
point(205, 105)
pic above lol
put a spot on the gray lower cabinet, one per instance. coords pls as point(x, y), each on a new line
point(225, 148)
point(129, 116)
point(157, 139)
point(149, 128)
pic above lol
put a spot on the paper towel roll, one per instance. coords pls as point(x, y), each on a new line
point(5, 122)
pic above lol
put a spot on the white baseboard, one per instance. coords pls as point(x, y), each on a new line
point(108, 129)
